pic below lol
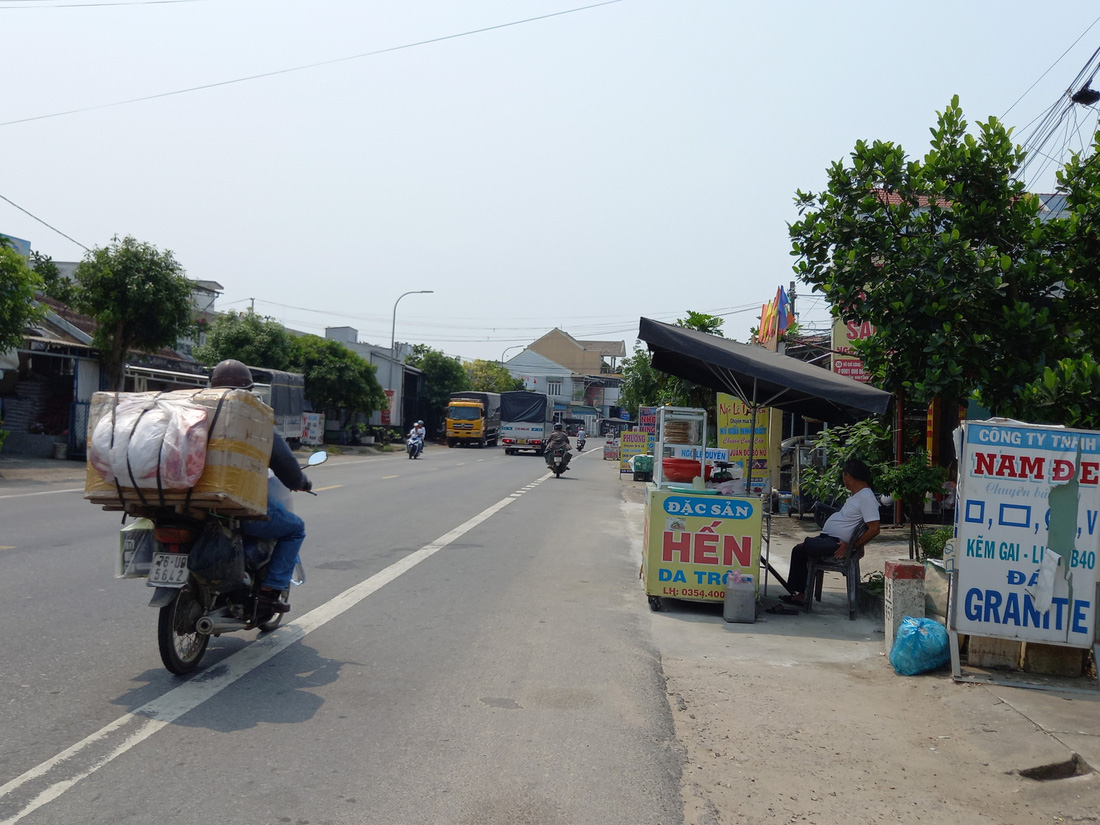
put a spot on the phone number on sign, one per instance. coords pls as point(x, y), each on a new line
point(693, 593)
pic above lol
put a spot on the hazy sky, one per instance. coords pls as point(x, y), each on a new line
point(580, 171)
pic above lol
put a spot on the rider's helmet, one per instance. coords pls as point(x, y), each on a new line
point(231, 373)
point(420, 423)
point(557, 426)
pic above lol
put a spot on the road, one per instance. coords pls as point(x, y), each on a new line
point(470, 647)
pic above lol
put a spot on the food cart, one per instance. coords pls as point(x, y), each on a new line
point(694, 536)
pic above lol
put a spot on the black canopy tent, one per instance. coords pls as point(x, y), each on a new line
point(759, 378)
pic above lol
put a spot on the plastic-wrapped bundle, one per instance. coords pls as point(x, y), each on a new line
point(151, 442)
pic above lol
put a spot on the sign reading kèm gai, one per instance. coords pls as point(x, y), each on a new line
point(1028, 532)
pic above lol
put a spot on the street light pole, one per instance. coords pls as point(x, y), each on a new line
point(514, 346)
point(393, 340)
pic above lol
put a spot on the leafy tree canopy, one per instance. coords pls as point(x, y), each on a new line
point(948, 258)
point(645, 386)
point(18, 284)
point(54, 283)
point(248, 337)
point(490, 376)
point(335, 376)
point(443, 375)
point(139, 298)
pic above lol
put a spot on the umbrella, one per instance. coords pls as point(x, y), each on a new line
point(759, 377)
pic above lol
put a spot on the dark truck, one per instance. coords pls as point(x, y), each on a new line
point(526, 419)
point(473, 418)
point(285, 393)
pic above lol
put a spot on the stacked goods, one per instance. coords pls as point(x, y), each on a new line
point(681, 432)
point(199, 449)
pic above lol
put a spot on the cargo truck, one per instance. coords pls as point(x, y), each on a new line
point(473, 418)
point(526, 419)
point(285, 393)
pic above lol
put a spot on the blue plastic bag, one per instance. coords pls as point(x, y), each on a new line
point(920, 646)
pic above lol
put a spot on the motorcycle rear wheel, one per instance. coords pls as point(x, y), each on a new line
point(271, 623)
point(181, 646)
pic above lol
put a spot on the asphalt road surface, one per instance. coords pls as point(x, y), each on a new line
point(470, 647)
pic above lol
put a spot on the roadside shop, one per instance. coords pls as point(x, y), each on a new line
point(699, 534)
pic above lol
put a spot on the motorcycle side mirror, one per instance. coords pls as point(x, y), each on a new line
point(319, 457)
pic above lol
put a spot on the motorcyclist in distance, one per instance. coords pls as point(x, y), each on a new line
point(557, 439)
point(417, 434)
point(284, 527)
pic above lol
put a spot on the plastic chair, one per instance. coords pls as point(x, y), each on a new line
point(847, 567)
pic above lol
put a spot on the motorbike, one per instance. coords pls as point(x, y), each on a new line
point(557, 460)
point(414, 446)
point(192, 607)
point(580, 443)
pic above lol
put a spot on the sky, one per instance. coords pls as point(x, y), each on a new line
point(533, 163)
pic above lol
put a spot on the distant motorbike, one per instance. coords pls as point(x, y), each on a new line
point(414, 446)
point(557, 460)
point(580, 444)
point(194, 607)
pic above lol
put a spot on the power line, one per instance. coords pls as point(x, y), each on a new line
point(309, 65)
point(54, 228)
point(1052, 65)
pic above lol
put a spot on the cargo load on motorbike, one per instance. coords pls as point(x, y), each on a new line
point(202, 449)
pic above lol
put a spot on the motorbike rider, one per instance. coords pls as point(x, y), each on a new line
point(557, 439)
point(282, 526)
point(418, 434)
point(582, 436)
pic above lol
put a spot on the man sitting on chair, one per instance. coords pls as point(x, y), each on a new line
point(860, 506)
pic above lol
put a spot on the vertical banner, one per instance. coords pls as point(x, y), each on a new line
point(1027, 532)
point(692, 542)
point(631, 443)
point(845, 360)
point(388, 409)
point(734, 430)
point(647, 422)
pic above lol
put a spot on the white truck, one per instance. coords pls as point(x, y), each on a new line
point(526, 419)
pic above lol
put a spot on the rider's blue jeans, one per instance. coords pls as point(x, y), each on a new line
point(289, 531)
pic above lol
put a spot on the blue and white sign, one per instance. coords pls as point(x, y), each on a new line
point(712, 453)
point(1027, 533)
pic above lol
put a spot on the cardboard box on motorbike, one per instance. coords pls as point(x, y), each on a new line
point(239, 434)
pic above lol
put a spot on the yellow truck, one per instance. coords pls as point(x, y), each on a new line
point(473, 418)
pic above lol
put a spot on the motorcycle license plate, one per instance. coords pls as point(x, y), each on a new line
point(168, 570)
point(557, 459)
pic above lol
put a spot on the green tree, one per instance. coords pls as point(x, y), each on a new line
point(443, 375)
point(18, 284)
point(336, 377)
point(490, 376)
point(54, 283)
point(645, 386)
point(139, 298)
point(248, 337)
point(642, 384)
point(946, 256)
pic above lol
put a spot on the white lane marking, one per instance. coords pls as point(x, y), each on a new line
point(44, 493)
point(155, 715)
